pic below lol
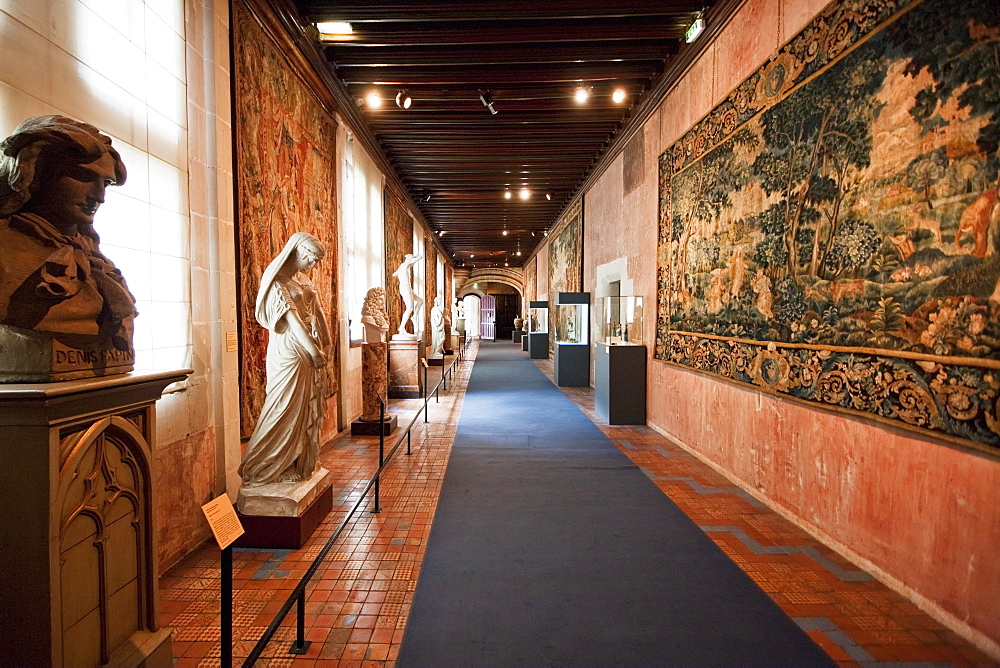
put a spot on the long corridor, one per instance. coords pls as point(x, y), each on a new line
point(360, 600)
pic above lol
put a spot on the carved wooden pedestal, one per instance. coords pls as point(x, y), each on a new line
point(76, 485)
point(404, 369)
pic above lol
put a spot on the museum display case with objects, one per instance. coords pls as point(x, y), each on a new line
point(538, 330)
point(571, 353)
point(620, 362)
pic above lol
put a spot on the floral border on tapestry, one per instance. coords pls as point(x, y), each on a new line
point(285, 175)
point(565, 260)
point(398, 242)
point(830, 232)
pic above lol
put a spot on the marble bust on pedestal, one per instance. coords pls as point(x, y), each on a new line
point(65, 309)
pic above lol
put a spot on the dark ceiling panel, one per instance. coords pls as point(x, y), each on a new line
point(526, 56)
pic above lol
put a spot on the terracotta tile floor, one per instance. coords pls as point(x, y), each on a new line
point(359, 599)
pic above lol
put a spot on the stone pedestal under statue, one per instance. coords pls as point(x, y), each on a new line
point(76, 488)
point(405, 380)
point(374, 384)
point(282, 515)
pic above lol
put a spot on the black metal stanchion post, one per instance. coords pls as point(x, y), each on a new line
point(301, 645)
point(226, 608)
point(407, 441)
point(381, 452)
point(426, 395)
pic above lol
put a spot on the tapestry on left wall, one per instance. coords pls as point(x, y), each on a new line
point(286, 175)
point(430, 285)
point(398, 242)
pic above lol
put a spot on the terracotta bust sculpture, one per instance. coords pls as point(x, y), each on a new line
point(373, 316)
point(285, 443)
point(65, 309)
point(411, 299)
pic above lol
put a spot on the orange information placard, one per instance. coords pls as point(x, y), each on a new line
point(222, 518)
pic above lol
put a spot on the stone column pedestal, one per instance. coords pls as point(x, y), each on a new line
point(374, 384)
point(76, 488)
point(404, 369)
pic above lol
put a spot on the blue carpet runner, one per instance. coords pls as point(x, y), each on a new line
point(549, 547)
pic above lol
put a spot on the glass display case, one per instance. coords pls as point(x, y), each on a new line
point(619, 320)
point(538, 318)
point(538, 330)
point(572, 318)
point(571, 353)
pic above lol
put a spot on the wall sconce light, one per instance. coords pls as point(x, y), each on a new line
point(403, 100)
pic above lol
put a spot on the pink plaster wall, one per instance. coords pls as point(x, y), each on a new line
point(185, 478)
point(923, 513)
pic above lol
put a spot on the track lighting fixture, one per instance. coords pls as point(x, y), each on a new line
point(487, 100)
point(403, 100)
point(548, 196)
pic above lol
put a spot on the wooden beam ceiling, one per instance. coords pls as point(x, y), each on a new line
point(527, 57)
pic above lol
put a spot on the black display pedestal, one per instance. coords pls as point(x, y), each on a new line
point(620, 383)
point(538, 345)
point(571, 364)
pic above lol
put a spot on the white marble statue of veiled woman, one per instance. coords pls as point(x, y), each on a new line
point(285, 444)
point(437, 328)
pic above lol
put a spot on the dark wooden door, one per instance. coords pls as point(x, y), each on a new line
point(508, 306)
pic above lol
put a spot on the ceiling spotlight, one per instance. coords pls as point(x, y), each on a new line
point(548, 196)
point(427, 197)
point(525, 193)
point(505, 232)
point(506, 195)
point(618, 96)
point(581, 95)
point(374, 100)
point(330, 31)
point(518, 253)
point(472, 255)
point(487, 100)
point(506, 264)
point(403, 100)
point(545, 233)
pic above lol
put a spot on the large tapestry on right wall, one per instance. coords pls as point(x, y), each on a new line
point(828, 233)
